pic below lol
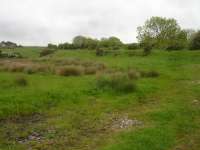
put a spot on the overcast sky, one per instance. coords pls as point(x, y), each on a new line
point(38, 22)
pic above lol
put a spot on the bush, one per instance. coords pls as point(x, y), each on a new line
point(46, 52)
point(118, 82)
point(21, 81)
point(133, 74)
point(29, 70)
point(15, 67)
point(52, 46)
point(175, 47)
point(70, 71)
point(132, 46)
point(147, 49)
point(99, 52)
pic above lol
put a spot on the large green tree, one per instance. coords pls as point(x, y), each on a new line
point(162, 33)
point(111, 42)
point(195, 41)
point(79, 41)
point(85, 42)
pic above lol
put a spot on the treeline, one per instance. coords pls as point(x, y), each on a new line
point(157, 32)
point(82, 42)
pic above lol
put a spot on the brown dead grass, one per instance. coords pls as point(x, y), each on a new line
point(71, 67)
point(69, 71)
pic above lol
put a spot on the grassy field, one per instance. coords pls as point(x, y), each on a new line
point(46, 111)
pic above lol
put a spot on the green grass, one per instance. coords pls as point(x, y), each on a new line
point(71, 113)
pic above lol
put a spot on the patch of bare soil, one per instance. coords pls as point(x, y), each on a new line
point(34, 136)
point(27, 132)
point(16, 128)
point(125, 123)
point(24, 119)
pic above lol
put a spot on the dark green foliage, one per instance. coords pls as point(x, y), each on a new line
point(175, 47)
point(66, 46)
point(163, 32)
point(52, 46)
point(179, 43)
point(91, 43)
point(99, 52)
point(132, 46)
point(195, 41)
point(81, 42)
point(147, 47)
point(112, 43)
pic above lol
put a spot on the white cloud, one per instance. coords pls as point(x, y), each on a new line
point(37, 22)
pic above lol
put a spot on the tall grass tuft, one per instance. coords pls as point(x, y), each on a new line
point(70, 71)
point(118, 82)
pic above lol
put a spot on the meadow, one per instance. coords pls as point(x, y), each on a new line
point(75, 100)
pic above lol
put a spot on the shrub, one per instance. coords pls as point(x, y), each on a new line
point(21, 81)
point(175, 47)
point(29, 70)
point(133, 74)
point(16, 67)
point(151, 74)
point(132, 46)
point(70, 71)
point(46, 52)
point(99, 52)
point(52, 46)
point(147, 49)
point(118, 82)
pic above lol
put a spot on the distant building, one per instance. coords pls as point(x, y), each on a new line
point(7, 44)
